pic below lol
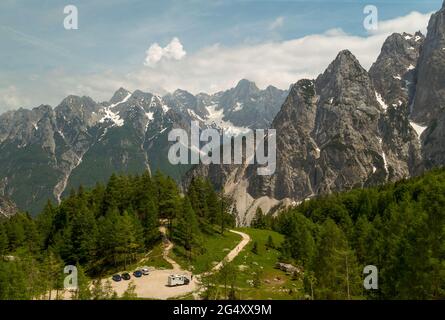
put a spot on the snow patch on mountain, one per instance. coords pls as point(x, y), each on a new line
point(165, 108)
point(238, 106)
point(194, 115)
point(215, 118)
point(418, 128)
point(112, 116)
point(385, 162)
point(381, 101)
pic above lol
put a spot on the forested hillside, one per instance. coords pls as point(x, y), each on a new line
point(105, 228)
point(399, 228)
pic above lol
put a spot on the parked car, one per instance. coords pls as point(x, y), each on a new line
point(145, 271)
point(116, 278)
point(137, 273)
point(126, 276)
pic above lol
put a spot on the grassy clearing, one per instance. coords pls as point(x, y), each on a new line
point(274, 284)
point(215, 248)
point(152, 259)
point(155, 258)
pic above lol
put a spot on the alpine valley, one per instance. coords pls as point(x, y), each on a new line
point(348, 128)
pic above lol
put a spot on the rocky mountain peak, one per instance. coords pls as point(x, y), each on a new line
point(80, 107)
point(140, 95)
point(394, 72)
point(401, 44)
point(346, 83)
point(344, 60)
point(184, 96)
point(299, 108)
point(119, 95)
point(430, 93)
point(245, 88)
point(344, 67)
point(73, 100)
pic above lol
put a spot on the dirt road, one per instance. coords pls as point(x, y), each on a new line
point(154, 285)
point(232, 254)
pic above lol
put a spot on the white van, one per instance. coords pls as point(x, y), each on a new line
point(177, 280)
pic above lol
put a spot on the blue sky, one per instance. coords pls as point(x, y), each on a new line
point(40, 61)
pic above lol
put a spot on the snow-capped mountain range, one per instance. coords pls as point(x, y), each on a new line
point(47, 151)
point(351, 127)
point(348, 128)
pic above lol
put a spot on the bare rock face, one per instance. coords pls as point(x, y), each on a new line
point(434, 143)
point(351, 128)
point(333, 134)
point(296, 149)
point(429, 102)
point(7, 208)
point(45, 152)
point(394, 72)
point(328, 136)
point(248, 106)
point(394, 75)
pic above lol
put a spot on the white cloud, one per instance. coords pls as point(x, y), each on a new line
point(277, 63)
point(218, 67)
point(410, 23)
point(174, 50)
point(277, 23)
point(11, 98)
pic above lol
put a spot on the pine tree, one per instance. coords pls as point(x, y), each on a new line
point(137, 244)
point(335, 265)
point(270, 244)
point(169, 201)
point(259, 221)
point(108, 290)
point(84, 235)
point(299, 243)
point(45, 223)
point(188, 228)
point(16, 232)
point(123, 238)
point(213, 204)
point(98, 291)
point(3, 240)
point(83, 285)
point(227, 277)
point(107, 237)
point(151, 223)
point(130, 293)
point(225, 218)
point(113, 194)
point(255, 247)
point(257, 278)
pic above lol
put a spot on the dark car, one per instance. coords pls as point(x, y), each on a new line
point(117, 278)
point(126, 276)
point(137, 273)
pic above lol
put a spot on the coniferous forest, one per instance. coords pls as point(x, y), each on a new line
point(399, 228)
point(102, 229)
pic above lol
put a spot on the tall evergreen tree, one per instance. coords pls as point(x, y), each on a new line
point(188, 228)
point(3, 240)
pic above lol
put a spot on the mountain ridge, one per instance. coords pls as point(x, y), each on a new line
point(347, 128)
point(47, 150)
